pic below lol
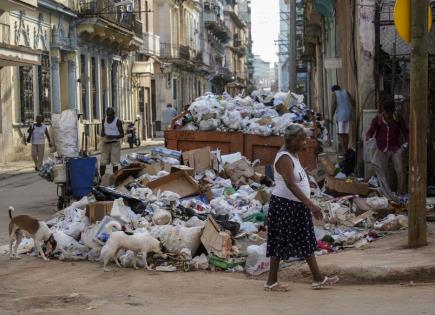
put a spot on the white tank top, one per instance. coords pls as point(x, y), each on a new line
point(300, 176)
point(38, 134)
point(112, 128)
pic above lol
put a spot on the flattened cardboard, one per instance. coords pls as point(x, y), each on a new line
point(179, 182)
point(98, 210)
point(178, 168)
point(216, 242)
point(199, 159)
point(341, 186)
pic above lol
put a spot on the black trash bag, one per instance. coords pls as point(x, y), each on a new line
point(348, 165)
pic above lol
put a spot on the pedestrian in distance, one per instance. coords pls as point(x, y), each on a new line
point(392, 136)
point(111, 134)
point(36, 136)
point(290, 225)
point(168, 114)
point(342, 103)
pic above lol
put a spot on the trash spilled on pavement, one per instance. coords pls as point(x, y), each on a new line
point(208, 210)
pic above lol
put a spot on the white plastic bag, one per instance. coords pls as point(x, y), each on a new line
point(257, 262)
point(175, 238)
point(122, 213)
point(65, 132)
point(200, 262)
point(162, 217)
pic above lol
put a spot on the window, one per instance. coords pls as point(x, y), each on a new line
point(26, 94)
point(44, 88)
point(174, 89)
point(84, 87)
point(94, 89)
point(104, 83)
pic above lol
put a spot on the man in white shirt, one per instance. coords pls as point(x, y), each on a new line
point(111, 133)
point(168, 114)
point(37, 133)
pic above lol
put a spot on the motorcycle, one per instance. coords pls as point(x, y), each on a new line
point(132, 138)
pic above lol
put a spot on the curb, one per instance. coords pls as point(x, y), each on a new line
point(359, 275)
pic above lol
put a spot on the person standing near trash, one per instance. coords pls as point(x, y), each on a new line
point(342, 103)
point(36, 136)
point(392, 136)
point(168, 114)
point(290, 225)
point(111, 133)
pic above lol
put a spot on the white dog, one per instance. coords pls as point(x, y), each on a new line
point(139, 243)
point(38, 230)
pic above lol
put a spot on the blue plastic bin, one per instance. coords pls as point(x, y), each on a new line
point(81, 176)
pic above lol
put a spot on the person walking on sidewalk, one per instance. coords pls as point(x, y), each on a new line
point(37, 133)
point(290, 225)
point(111, 132)
point(342, 103)
point(392, 136)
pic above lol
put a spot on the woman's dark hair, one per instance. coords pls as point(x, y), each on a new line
point(336, 88)
point(389, 107)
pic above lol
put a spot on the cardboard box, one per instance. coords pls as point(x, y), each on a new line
point(179, 182)
point(216, 241)
point(327, 165)
point(98, 210)
point(198, 159)
point(344, 187)
point(187, 169)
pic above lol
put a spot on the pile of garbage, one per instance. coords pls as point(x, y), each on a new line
point(251, 114)
point(209, 212)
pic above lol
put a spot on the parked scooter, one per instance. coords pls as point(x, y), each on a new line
point(132, 138)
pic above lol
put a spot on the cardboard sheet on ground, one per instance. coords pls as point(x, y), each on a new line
point(180, 183)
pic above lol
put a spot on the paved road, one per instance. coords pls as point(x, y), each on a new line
point(30, 194)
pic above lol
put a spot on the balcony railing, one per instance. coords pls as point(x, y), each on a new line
point(171, 51)
point(216, 25)
point(108, 10)
point(151, 44)
point(5, 32)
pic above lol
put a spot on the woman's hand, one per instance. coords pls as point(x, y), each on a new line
point(316, 211)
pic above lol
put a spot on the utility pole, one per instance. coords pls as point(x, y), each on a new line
point(417, 234)
point(292, 71)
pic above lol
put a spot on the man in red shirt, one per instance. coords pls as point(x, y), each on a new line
point(392, 136)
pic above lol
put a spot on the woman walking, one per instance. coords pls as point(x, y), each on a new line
point(291, 230)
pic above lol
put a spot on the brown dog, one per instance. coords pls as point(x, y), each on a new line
point(38, 230)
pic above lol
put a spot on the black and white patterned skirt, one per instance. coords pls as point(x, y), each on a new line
point(290, 230)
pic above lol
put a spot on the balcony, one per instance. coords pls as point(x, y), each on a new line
point(109, 11)
point(216, 26)
point(171, 51)
point(151, 44)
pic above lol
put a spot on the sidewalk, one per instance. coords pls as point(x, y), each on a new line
point(385, 260)
point(19, 167)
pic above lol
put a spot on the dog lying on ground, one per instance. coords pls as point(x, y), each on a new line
point(38, 230)
point(139, 243)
